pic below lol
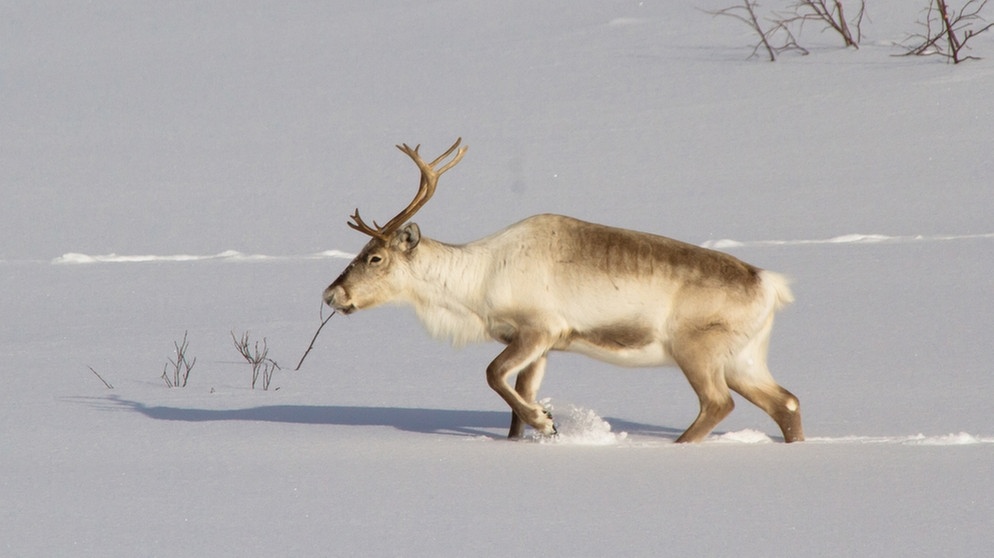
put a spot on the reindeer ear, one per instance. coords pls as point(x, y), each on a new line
point(407, 238)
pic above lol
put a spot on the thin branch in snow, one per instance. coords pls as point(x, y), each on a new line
point(776, 39)
point(832, 14)
point(313, 339)
point(181, 366)
point(258, 358)
point(948, 31)
point(101, 378)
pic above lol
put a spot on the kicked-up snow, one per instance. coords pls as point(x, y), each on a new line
point(576, 425)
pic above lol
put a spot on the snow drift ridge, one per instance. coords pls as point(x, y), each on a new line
point(235, 256)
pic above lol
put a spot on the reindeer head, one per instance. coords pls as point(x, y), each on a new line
point(377, 274)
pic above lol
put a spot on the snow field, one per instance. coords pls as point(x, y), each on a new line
point(169, 170)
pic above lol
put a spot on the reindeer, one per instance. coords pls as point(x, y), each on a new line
point(554, 283)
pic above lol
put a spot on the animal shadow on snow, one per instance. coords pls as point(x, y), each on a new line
point(425, 421)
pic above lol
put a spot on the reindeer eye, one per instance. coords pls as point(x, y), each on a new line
point(374, 259)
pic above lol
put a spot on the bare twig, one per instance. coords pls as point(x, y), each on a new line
point(948, 31)
point(313, 339)
point(746, 13)
point(258, 358)
point(100, 378)
point(181, 367)
point(832, 14)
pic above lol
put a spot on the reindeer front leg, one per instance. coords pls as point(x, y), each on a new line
point(526, 385)
point(524, 355)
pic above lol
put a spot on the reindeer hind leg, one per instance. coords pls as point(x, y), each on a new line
point(782, 406)
point(706, 375)
point(750, 378)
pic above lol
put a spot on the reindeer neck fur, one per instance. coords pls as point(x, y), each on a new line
point(445, 290)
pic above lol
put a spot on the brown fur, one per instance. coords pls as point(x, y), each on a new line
point(621, 251)
point(616, 336)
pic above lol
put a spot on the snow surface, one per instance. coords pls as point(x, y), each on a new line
point(171, 168)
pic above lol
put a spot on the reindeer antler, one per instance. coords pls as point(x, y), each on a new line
point(361, 226)
point(429, 180)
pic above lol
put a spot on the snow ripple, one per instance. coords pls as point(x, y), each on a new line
point(959, 439)
point(73, 258)
point(722, 244)
point(956, 439)
point(843, 239)
point(742, 437)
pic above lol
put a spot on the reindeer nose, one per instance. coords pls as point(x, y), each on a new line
point(337, 297)
point(329, 295)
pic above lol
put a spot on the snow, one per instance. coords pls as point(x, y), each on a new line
point(227, 255)
point(176, 168)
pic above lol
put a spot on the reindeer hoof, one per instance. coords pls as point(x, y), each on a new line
point(550, 429)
